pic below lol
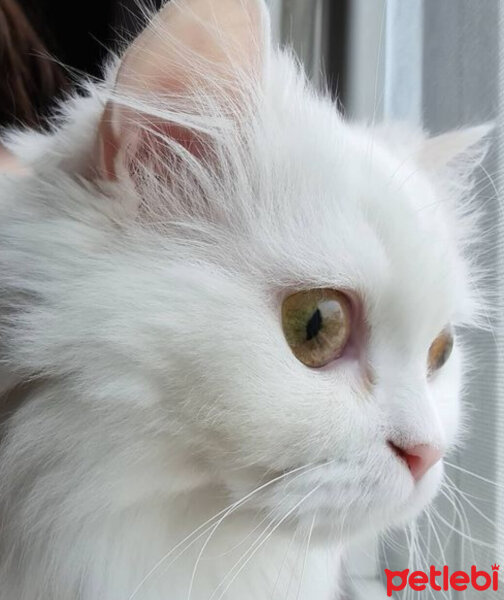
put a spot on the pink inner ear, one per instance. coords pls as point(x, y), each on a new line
point(10, 163)
point(129, 147)
point(191, 46)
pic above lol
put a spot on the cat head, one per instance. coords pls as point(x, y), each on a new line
point(251, 280)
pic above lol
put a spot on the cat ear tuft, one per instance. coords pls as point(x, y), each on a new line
point(467, 145)
point(191, 50)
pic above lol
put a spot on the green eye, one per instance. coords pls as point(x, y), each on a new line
point(316, 325)
point(440, 350)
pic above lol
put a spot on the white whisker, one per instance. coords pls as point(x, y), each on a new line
point(305, 559)
point(258, 546)
point(208, 524)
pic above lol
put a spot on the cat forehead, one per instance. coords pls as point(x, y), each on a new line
point(357, 216)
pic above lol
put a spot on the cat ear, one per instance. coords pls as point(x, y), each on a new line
point(467, 145)
point(192, 49)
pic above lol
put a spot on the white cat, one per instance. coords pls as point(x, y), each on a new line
point(226, 319)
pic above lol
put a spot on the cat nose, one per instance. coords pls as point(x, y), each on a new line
point(419, 458)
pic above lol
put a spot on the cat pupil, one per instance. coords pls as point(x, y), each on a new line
point(314, 325)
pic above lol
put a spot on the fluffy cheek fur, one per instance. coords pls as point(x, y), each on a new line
point(300, 426)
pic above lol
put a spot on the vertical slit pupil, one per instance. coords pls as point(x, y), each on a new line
point(314, 325)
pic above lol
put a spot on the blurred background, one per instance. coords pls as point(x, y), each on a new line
point(436, 63)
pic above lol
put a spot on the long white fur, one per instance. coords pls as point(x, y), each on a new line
point(144, 313)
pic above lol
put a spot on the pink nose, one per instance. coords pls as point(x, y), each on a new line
point(419, 458)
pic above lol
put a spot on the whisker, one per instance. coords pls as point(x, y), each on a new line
point(294, 565)
point(283, 563)
point(462, 496)
point(462, 519)
point(208, 524)
point(305, 559)
point(219, 522)
point(437, 538)
point(467, 472)
point(461, 533)
point(258, 546)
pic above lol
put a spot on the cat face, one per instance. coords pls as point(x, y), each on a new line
point(383, 243)
point(226, 198)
